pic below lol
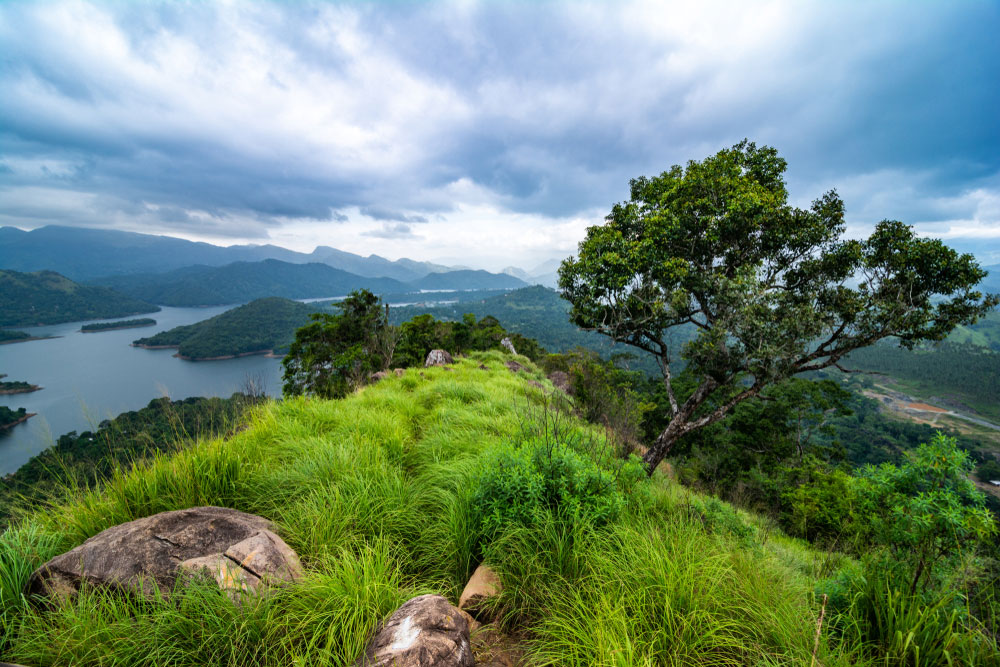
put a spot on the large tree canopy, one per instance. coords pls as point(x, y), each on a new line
point(771, 290)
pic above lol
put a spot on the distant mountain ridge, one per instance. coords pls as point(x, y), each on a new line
point(85, 254)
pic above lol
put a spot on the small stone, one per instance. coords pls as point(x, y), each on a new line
point(438, 358)
point(483, 584)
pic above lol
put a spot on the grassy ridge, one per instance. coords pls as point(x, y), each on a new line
point(375, 494)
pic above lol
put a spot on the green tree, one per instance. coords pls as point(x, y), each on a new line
point(926, 511)
point(771, 289)
point(337, 352)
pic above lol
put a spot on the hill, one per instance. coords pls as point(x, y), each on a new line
point(84, 254)
point(46, 297)
point(240, 282)
point(467, 280)
point(535, 312)
point(374, 492)
point(259, 327)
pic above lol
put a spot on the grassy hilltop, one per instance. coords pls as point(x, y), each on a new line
point(387, 494)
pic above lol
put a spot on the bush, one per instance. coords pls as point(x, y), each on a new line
point(523, 485)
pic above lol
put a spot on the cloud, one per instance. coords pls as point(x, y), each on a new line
point(251, 121)
point(397, 230)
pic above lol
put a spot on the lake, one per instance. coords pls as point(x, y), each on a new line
point(87, 378)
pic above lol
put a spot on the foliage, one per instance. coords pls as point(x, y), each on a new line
point(374, 493)
point(536, 312)
point(964, 373)
point(120, 324)
point(261, 325)
point(9, 336)
point(423, 333)
point(988, 470)
point(8, 416)
point(240, 282)
point(336, 353)
point(15, 386)
point(89, 458)
point(926, 511)
point(522, 485)
point(45, 297)
point(717, 245)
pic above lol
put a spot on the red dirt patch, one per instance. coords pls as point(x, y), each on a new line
point(924, 407)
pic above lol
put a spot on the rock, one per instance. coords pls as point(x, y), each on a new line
point(560, 380)
point(399, 372)
point(437, 358)
point(483, 584)
point(513, 366)
point(238, 550)
point(426, 631)
point(483, 367)
point(381, 375)
point(506, 342)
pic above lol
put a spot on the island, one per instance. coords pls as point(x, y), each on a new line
point(10, 418)
point(8, 336)
point(16, 387)
point(120, 324)
point(264, 326)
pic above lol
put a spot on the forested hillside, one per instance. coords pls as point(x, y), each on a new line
point(260, 326)
point(46, 297)
point(244, 281)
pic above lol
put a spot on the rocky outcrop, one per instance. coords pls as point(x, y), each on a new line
point(513, 366)
point(560, 380)
point(483, 584)
point(426, 631)
point(238, 550)
point(380, 375)
point(438, 358)
point(507, 343)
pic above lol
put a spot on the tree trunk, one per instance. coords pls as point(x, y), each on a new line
point(663, 444)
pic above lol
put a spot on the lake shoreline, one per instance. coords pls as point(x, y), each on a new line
point(28, 390)
point(131, 326)
point(266, 353)
point(25, 340)
point(18, 421)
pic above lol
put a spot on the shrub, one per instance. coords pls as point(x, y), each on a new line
point(521, 485)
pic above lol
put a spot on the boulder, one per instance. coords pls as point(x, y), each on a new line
point(438, 358)
point(483, 584)
point(507, 343)
point(380, 375)
point(426, 631)
point(513, 366)
point(560, 380)
point(399, 372)
point(238, 550)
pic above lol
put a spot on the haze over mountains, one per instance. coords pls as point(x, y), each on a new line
point(84, 254)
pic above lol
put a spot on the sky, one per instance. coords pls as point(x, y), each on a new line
point(485, 134)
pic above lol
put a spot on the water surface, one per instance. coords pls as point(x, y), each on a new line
point(87, 378)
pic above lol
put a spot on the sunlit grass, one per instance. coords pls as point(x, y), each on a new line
point(374, 493)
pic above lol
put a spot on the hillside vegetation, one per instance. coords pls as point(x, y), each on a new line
point(45, 297)
point(393, 492)
point(377, 495)
point(240, 282)
point(259, 326)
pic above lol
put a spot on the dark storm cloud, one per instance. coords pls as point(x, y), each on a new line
point(237, 119)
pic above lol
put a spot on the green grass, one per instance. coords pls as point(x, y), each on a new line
point(374, 493)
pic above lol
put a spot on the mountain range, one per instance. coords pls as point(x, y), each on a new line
point(84, 254)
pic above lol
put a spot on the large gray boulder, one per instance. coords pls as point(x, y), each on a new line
point(238, 550)
point(438, 358)
point(426, 631)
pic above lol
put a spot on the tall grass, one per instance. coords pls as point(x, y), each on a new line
point(374, 493)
